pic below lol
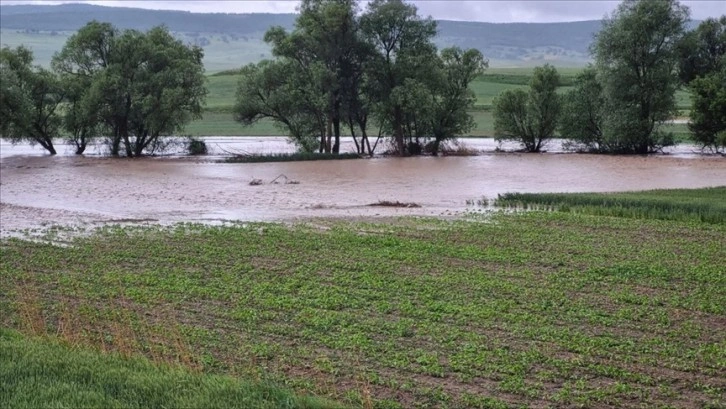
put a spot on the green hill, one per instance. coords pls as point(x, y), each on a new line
point(232, 40)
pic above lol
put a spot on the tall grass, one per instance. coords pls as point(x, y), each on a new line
point(37, 373)
point(703, 205)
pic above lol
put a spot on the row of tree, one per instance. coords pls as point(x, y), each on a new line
point(340, 68)
point(620, 104)
point(128, 87)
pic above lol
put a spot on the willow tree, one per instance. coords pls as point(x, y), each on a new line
point(324, 44)
point(279, 91)
point(140, 86)
point(404, 52)
point(581, 120)
point(86, 53)
point(30, 99)
point(637, 59)
point(530, 117)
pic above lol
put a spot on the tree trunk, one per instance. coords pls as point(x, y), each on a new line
point(336, 130)
point(435, 147)
point(355, 140)
point(398, 130)
point(47, 144)
point(364, 138)
point(329, 141)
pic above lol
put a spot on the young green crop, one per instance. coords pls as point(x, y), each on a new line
point(530, 309)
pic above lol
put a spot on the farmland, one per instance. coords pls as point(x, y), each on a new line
point(564, 309)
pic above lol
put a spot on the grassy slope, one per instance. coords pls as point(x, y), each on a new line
point(40, 373)
point(542, 309)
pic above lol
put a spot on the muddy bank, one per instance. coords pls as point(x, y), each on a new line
point(37, 191)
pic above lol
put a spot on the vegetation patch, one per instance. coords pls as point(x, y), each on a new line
point(289, 157)
point(703, 205)
point(39, 373)
point(542, 309)
point(389, 203)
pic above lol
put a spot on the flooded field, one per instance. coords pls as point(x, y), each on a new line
point(37, 190)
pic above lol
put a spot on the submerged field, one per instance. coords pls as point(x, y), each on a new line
point(531, 309)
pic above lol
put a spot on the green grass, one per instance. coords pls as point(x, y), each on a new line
point(543, 309)
point(42, 373)
point(705, 205)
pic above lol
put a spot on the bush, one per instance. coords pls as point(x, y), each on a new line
point(196, 147)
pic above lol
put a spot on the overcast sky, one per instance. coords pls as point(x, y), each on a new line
point(534, 11)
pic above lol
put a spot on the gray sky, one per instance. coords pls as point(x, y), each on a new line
point(532, 11)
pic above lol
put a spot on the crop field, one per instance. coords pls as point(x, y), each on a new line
point(540, 309)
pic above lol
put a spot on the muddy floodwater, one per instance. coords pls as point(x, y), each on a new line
point(37, 190)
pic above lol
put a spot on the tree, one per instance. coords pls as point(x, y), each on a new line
point(404, 51)
point(277, 90)
point(324, 44)
point(452, 98)
point(83, 57)
point(529, 117)
point(31, 95)
point(636, 58)
point(702, 50)
point(581, 120)
point(141, 86)
point(703, 70)
point(708, 112)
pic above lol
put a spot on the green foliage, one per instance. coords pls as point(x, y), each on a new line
point(708, 113)
point(276, 90)
point(136, 87)
point(29, 101)
point(701, 50)
point(529, 117)
point(40, 373)
point(582, 113)
point(404, 55)
point(636, 57)
point(704, 205)
point(452, 96)
point(196, 146)
point(564, 309)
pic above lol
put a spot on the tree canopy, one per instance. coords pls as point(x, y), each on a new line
point(345, 69)
point(132, 87)
point(529, 118)
point(30, 97)
point(636, 56)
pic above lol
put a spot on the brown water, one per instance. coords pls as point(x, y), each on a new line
point(38, 190)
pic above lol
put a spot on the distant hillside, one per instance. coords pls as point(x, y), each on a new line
point(71, 17)
point(231, 40)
